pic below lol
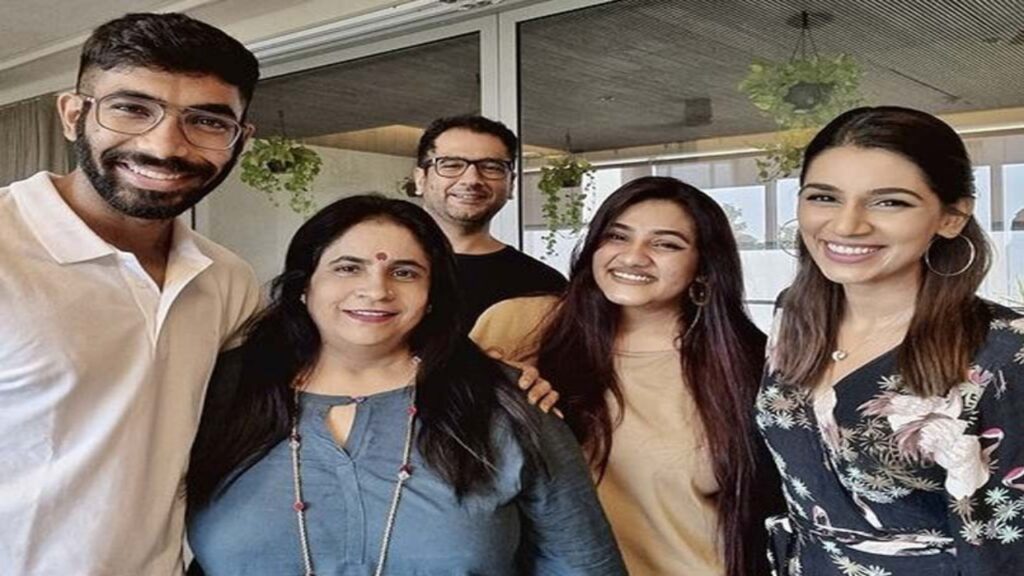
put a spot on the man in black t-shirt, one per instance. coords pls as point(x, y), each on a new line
point(465, 170)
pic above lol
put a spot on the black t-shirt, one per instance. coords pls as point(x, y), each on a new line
point(485, 279)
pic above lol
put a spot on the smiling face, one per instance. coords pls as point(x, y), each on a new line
point(370, 289)
point(468, 201)
point(159, 174)
point(648, 257)
point(867, 216)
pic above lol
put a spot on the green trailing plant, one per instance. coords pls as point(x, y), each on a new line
point(278, 164)
point(799, 95)
point(784, 156)
point(564, 185)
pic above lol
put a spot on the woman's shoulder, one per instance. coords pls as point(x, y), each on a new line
point(513, 326)
point(518, 309)
point(1000, 313)
point(1004, 342)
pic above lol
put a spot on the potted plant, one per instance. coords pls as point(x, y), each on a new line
point(799, 95)
point(564, 185)
point(277, 164)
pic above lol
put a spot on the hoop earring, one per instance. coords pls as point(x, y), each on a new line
point(965, 268)
point(789, 247)
point(699, 294)
point(698, 291)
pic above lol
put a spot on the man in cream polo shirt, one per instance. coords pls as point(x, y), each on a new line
point(112, 311)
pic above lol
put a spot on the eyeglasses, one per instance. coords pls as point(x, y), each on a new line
point(137, 115)
point(453, 167)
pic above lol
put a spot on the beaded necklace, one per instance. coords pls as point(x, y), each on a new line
point(299, 506)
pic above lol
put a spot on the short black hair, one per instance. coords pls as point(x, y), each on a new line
point(471, 122)
point(170, 43)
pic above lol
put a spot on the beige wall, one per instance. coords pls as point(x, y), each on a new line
point(244, 220)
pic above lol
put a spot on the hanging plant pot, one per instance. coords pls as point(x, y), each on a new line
point(799, 96)
point(565, 185)
point(806, 96)
point(277, 164)
point(280, 166)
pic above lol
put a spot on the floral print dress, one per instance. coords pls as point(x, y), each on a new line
point(880, 482)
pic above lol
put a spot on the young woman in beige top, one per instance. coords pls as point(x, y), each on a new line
point(657, 364)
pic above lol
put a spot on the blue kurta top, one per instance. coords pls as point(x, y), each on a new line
point(882, 482)
point(528, 523)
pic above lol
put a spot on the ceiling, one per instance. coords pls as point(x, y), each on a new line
point(647, 72)
point(42, 38)
point(407, 87)
point(623, 74)
point(28, 25)
point(649, 57)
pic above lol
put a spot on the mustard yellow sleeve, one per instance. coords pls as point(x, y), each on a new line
point(513, 327)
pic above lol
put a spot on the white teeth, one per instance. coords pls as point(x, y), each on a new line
point(151, 174)
point(851, 250)
point(374, 313)
point(633, 277)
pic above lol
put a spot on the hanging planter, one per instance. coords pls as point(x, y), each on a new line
point(406, 187)
point(565, 184)
point(800, 95)
point(803, 93)
point(278, 165)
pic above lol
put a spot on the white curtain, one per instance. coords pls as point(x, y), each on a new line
point(31, 139)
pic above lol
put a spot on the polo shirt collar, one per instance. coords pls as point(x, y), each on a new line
point(185, 249)
point(69, 240)
point(64, 235)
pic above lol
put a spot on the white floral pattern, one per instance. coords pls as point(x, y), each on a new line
point(881, 482)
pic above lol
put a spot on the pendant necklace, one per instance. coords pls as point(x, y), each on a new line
point(840, 354)
point(299, 505)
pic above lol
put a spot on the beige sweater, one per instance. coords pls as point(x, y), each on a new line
point(658, 490)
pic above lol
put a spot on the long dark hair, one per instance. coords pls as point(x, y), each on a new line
point(949, 322)
point(721, 355)
point(459, 389)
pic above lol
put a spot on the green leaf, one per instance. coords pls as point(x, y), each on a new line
point(300, 165)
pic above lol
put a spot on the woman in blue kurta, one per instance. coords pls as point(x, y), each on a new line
point(893, 396)
point(359, 431)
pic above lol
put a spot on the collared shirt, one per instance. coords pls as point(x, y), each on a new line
point(102, 377)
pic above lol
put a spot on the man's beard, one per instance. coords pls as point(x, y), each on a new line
point(139, 202)
point(471, 220)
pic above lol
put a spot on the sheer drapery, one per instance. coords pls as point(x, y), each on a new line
point(31, 139)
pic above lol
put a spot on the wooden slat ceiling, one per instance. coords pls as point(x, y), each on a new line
point(406, 87)
point(626, 73)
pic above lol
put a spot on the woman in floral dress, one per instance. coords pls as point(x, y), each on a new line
point(893, 400)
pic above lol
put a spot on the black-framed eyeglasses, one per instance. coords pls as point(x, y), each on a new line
point(453, 167)
point(137, 115)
